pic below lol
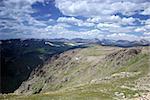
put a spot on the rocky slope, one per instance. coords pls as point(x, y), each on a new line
point(91, 73)
point(18, 58)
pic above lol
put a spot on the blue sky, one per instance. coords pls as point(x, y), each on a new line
point(110, 19)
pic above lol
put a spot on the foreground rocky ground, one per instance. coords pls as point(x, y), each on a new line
point(92, 73)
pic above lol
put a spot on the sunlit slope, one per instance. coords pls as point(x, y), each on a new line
point(95, 72)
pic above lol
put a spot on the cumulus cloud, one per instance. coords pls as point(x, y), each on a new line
point(146, 11)
point(16, 20)
point(61, 30)
point(122, 36)
point(74, 21)
point(22, 1)
point(145, 29)
point(113, 19)
point(100, 7)
point(147, 22)
point(147, 33)
point(104, 14)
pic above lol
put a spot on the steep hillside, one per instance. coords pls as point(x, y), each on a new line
point(20, 57)
point(91, 73)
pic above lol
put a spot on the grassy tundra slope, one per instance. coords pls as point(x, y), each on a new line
point(93, 73)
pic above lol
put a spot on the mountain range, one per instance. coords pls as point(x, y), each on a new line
point(107, 42)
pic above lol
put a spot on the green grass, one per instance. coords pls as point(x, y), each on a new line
point(63, 96)
point(41, 50)
point(92, 51)
point(86, 92)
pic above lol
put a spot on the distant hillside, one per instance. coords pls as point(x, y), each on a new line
point(124, 43)
point(106, 42)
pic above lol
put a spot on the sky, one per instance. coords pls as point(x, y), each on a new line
point(102, 19)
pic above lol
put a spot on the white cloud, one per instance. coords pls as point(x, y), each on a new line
point(103, 25)
point(140, 29)
point(101, 20)
point(108, 27)
point(113, 19)
point(147, 22)
point(23, 1)
point(61, 30)
point(92, 8)
point(145, 29)
point(122, 36)
point(103, 14)
point(17, 22)
point(146, 11)
point(147, 33)
point(115, 28)
point(128, 21)
point(74, 21)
